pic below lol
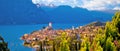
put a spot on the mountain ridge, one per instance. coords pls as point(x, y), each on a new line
point(77, 15)
point(21, 12)
point(18, 12)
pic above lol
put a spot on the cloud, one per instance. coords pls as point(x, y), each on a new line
point(116, 8)
point(88, 4)
point(71, 3)
point(100, 4)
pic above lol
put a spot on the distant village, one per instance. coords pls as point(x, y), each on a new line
point(48, 32)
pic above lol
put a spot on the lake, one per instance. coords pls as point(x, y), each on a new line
point(12, 34)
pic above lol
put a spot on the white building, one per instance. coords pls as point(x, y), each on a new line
point(50, 24)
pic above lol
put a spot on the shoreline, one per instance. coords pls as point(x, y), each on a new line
point(48, 33)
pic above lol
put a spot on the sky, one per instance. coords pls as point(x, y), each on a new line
point(88, 4)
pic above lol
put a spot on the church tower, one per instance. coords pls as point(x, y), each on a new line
point(50, 24)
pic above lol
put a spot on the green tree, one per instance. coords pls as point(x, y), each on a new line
point(85, 45)
point(113, 28)
point(3, 45)
point(112, 33)
point(64, 44)
point(110, 45)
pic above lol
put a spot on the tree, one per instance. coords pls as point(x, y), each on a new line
point(112, 33)
point(110, 45)
point(3, 45)
point(64, 44)
point(85, 45)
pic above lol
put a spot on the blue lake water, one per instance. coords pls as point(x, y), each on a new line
point(12, 34)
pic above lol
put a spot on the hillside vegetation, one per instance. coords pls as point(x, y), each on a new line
point(105, 40)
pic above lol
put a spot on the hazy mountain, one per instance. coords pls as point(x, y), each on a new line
point(21, 12)
point(97, 23)
point(67, 14)
point(25, 12)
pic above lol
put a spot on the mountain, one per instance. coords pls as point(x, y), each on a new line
point(25, 12)
point(21, 12)
point(67, 14)
point(97, 23)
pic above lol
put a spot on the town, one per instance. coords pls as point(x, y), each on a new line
point(49, 34)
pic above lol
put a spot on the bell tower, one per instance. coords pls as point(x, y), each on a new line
point(50, 24)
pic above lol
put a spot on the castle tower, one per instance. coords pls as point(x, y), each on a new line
point(50, 24)
point(73, 28)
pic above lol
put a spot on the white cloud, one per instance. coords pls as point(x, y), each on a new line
point(93, 4)
point(88, 4)
point(116, 8)
point(35, 1)
point(100, 4)
point(56, 2)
